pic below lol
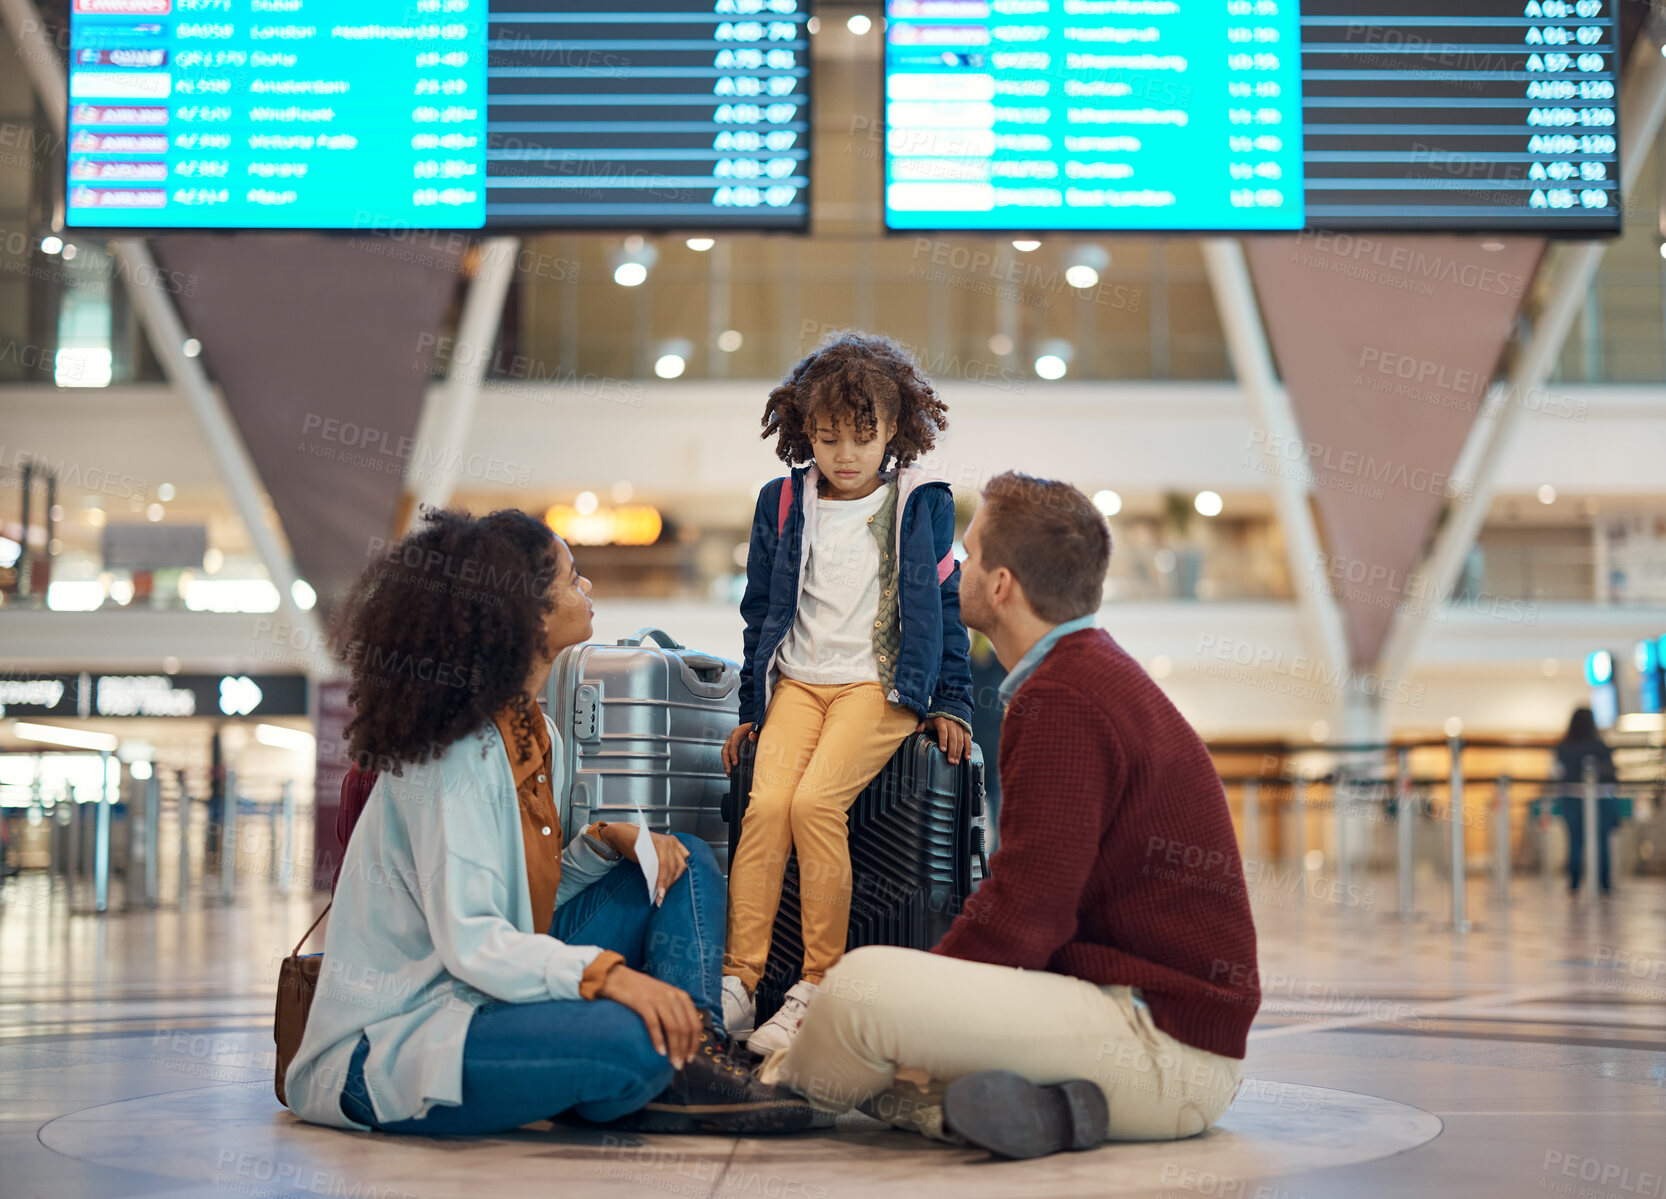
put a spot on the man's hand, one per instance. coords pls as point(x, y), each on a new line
point(672, 854)
point(673, 1022)
point(952, 737)
point(731, 747)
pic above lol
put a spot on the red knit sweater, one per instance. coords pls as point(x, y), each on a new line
point(1117, 860)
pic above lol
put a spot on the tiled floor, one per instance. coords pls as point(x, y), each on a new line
point(1391, 1058)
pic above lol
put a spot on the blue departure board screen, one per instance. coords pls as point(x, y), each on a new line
point(1252, 115)
point(446, 114)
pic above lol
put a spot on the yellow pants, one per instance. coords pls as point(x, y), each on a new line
point(819, 746)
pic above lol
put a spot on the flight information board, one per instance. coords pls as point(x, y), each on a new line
point(1252, 115)
point(450, 114)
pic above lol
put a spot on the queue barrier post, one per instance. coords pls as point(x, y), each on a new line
point(1455, 815)
point(1547, 821)
point(228, 840)
point(287, 862)
point(1501, 838)
point(1593, 830)
point(184, 842)
point(152, 836)
point(1405, 814)
point(1341, 808)
point(1298, 821)
point(101, 838)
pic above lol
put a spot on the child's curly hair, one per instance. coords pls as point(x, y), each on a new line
point(863, 376)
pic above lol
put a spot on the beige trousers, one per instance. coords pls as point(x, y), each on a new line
point(820, 745)
point(891, 1028)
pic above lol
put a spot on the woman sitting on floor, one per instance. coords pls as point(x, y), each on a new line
point(477, 976)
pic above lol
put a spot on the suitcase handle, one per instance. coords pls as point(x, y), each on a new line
point(666, 640)
point(708, 677)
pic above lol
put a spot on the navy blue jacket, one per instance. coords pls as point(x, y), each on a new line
point(934, 670)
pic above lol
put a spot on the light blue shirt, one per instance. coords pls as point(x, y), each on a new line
point(432, 918)
point(1036, 653)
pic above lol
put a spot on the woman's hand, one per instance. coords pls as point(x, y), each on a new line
point(731, 747)
point(672, 854)
point(952, 737)
point(673, 1022)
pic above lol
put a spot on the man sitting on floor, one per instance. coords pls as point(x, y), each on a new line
point(1101, 982)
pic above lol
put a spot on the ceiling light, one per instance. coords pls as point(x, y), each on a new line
point(671, 357)
point(1084, 264)
point(280, 737)
point(50, 734)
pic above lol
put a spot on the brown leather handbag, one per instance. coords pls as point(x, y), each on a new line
point(297, 980)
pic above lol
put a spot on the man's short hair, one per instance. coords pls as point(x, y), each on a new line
point(1052, 539)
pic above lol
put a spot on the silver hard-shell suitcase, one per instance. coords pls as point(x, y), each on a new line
point(643, 726)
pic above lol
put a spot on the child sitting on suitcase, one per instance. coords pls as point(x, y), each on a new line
point(853, 641)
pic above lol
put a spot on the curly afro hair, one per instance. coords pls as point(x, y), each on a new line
point(865, 377)
point(441, 632)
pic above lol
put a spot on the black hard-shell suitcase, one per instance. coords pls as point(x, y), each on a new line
point(916, 833)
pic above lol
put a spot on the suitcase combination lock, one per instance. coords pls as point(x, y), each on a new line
point(584, 712)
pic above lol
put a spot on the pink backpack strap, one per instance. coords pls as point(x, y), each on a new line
point(786, 505)
point(945, 568)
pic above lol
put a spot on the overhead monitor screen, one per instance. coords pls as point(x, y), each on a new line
point(451, 114)
point(1251, 115)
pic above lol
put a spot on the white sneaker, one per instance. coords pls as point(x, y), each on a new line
point(779, 1030)
point(740, 1011)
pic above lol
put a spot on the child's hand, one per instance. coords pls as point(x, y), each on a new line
point(731, 747)
point(952, 737)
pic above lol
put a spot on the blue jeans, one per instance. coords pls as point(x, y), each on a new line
point(530, 1061)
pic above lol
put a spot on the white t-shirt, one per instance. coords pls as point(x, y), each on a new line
point(831, 641)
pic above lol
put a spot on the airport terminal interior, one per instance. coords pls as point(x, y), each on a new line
point(1348, 318)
